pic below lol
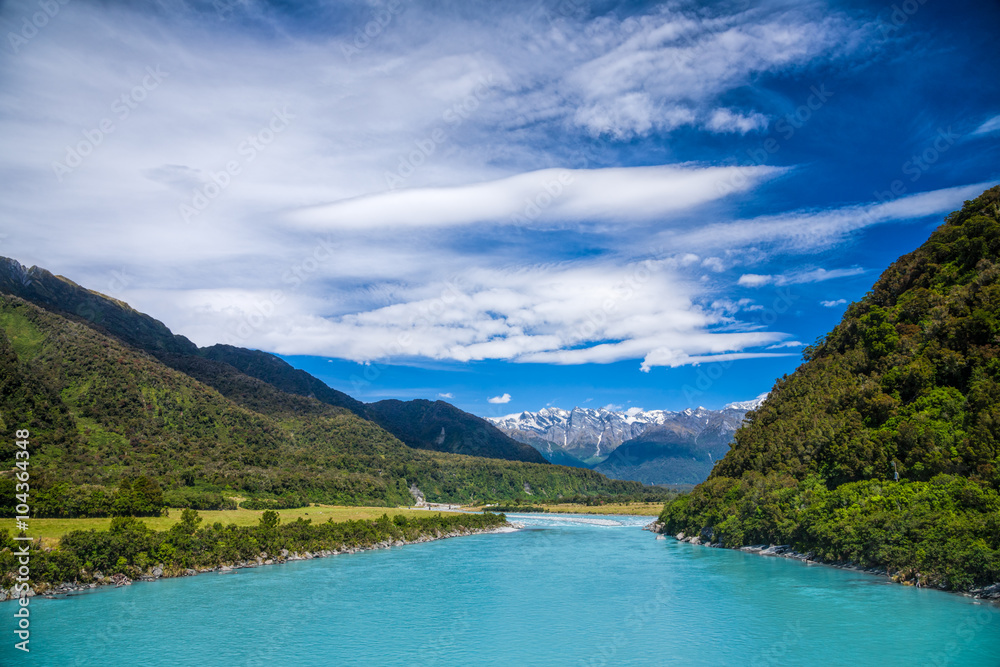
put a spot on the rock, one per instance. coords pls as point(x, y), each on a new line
point(679, 536)
point(775, 550)
point(284, 553)
point(661, 537)
point(190, 573)
point(157, 572)
point(988, 592)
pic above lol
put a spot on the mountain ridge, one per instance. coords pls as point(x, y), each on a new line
point(467, 433)
point(651, 446)
point(106, 417)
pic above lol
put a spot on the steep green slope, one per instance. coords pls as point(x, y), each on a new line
point(112, 316)
point(909, 380)
point(102, 413)
point(467, 434)
point(281, 375)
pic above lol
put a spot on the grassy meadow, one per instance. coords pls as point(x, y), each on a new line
point(50, 530)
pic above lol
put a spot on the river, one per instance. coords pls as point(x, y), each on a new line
point(564, 591)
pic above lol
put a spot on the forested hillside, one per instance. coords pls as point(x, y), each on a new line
point(909, 381)
point(115, 431)
point(417, 423)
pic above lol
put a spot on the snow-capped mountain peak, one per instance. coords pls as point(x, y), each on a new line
point(752, 404)
point(593, 433)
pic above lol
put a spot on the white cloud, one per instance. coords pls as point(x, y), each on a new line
point(727, 121)
point(833, 304)
point(988, 127)
point(655, 73)
point(505, 398)
point(306, 252)
point(754, 280)
point(807, 230)
point(446, 395)
point(787, 343)
point(800, 277)
point(713, 263)
point(627, 194)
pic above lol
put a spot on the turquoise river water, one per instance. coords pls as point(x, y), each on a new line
point(585, 591)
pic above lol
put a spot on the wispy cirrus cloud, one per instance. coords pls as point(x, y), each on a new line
point(356, 232)
point(628, 195)
point(797, 278)
point(808, 230)
point(989, 126)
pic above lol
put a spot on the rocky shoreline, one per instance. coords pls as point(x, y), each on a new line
point(990, 593)
point(67, 588)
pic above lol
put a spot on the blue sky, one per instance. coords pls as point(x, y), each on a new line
point(540, 203)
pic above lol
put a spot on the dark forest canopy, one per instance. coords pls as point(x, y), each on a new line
point(909, 381)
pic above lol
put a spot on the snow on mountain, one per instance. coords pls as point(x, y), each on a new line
point(590, 434)
point(752, 404)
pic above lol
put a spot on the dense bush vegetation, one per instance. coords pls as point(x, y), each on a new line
point(945, 531)
point(908, 381)
point(139, 497)
point(282, 503)
point(129, 547)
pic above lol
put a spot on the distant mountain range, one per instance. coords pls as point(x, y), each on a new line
point(651, 446)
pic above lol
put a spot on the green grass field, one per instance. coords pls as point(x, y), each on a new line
point(50, 530)
point(637, 509)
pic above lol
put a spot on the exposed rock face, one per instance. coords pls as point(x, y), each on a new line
point(418, 495)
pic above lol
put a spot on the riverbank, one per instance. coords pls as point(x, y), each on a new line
point(129, 550)
point(67, 589)
point(624, 509)
point(990, 593)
